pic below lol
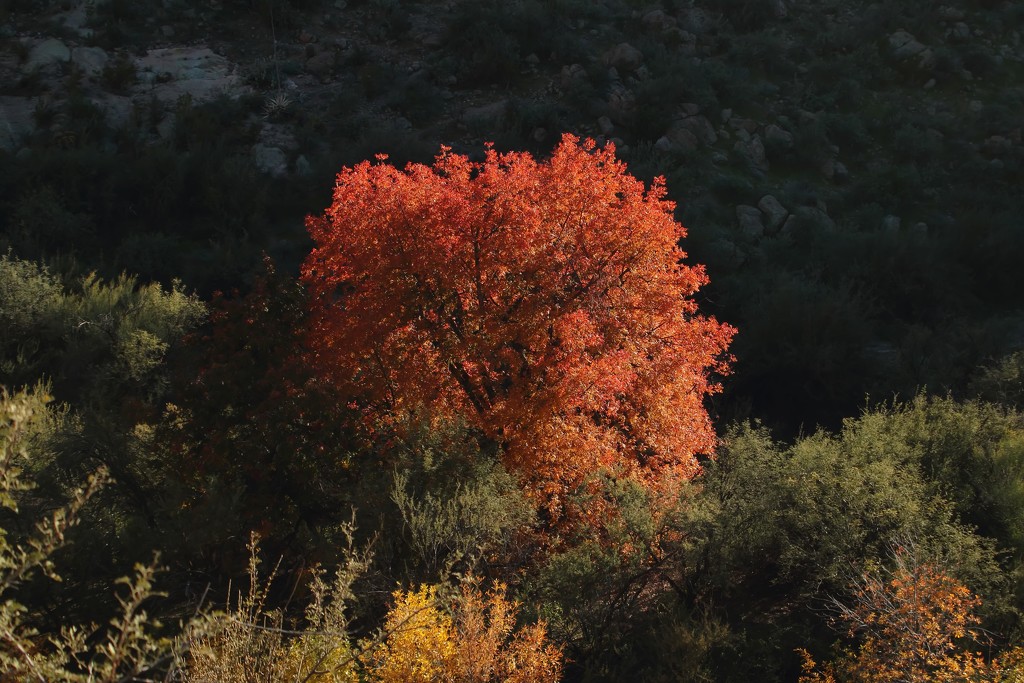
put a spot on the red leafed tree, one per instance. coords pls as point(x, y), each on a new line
point(545, 303)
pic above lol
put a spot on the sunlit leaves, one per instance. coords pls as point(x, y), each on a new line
point(915, 623)
point(544, 302)
point(475, 641)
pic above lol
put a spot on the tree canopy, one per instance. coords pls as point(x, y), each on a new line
point(544, 302)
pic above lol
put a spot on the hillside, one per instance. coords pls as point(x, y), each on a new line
point(849, 174)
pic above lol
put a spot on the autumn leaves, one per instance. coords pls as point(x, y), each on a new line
point(544, 303)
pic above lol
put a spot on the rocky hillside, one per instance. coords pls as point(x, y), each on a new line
point(850, 172)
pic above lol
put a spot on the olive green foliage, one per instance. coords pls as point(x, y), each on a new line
point(754, 553)
point(130, 644)
point(95, 340)
point(810, 509)
point(458, 523)
point(30, 298)
point(1002, 381)
point(791, 524)
point(101, 347)
point(247, 427)
point(445, 508)
point(972, 454)
point(623, 598)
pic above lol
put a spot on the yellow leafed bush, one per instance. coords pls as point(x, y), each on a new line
point(474, 642)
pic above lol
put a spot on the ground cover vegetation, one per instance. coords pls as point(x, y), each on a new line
point(496, 415)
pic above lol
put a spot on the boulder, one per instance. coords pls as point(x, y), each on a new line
point(322, 65)
point(737, 123)
point(16, 121)
point(572, 74)
point(997, 145)
point(91, 60)
point(699, 127)
point(624, 57)
point(682, 139)
point(778, 137)
point(696, 20)
point(194, 71)
point(948, 13)
point(686, 42)
point(905, 47)
point(47, 55)
point(749, 218)
point(960, 32)
point(663, 145)
point(828, 169)
point(834, 170)
point(755, 148)
point(727, 253)
point(432, 39)
point(117, 109)
point(621, 103)
point(270, 160)
point(657, 21)
point(486, 115)
point(808, 217)
point(753, 151)
point(774, 212)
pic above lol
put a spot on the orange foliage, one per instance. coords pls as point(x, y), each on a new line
point(914, 621)
point(489, 647)
point(543, 302)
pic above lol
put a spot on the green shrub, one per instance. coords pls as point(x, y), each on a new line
point(1002, 381)
point(42, 224)
point(745, 15)
point(131, 644)
point(792, 524)
point(119, 74)
point(492, 38)
point(458, 511)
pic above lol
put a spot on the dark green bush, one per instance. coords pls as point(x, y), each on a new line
point(119, 73)
point(744, 15)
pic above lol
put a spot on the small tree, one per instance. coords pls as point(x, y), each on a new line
point(915, 622)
